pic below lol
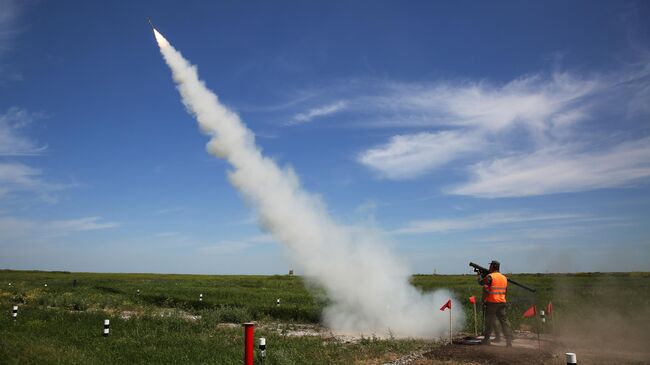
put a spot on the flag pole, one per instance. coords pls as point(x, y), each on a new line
point(475, 330)
point(539, 343)
point(450, 337)
point(551, 314)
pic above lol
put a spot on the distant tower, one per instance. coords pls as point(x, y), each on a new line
point(291, 272)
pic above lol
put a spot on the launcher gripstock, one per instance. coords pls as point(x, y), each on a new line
point(483, 272)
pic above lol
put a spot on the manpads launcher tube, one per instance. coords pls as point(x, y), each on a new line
point(368, 287)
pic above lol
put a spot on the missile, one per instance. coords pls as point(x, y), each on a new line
point(149, 20)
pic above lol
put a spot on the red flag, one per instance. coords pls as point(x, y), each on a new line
point(549, 308)
point(447, 305)
point(472, 299)
point(530, 312)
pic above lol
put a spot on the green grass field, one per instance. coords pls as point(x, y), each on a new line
point(166, 323)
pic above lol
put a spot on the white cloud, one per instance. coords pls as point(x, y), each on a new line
point(559, 170)
point(233, 246)
point(484, 221)
point(169, 210)
point(9, 29)
point(80, 224)
point(544, 133)
point(16, 178)
point(12, 228)
point(225, 248)
point(536, 102)
point(411, 155)
point(167, 234)
point(479, 113)
point(12, 142)
point(318, 112)
point(9, 11)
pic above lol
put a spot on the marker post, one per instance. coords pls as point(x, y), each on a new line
point(571, 358)
point(249, 338)
point(262, 349)
point(107, 324)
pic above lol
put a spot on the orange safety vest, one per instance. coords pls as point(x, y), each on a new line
point(496, 292)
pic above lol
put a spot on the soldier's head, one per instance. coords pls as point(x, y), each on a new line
point(494, 266)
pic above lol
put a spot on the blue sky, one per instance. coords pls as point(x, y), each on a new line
point(464, 131)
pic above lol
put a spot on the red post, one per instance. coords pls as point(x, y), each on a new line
point(249, 339)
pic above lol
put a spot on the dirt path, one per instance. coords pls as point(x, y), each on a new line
point(524, 351)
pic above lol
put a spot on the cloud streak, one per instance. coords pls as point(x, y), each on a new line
point(533, 101)
point(321, 111)
point(536, 134)
point(411, 155)
point(9, 11)
point(483, 221)
point(12, 141)
point(559, 170)
point(235, 246)
point(17, 178)
point(12, 228)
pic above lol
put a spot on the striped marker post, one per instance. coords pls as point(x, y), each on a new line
point(571, 358)
point(262, 348)
point(277, 302)
point(138, 291)
point(542, 316)
point(107, 324)
point(200, 297)
point(14, 313)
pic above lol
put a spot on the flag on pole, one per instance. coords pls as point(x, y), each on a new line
point(549, 308)
point(530, 312)
point(472, 300)
point(446, 305)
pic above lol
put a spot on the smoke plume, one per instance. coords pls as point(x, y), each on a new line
point(367, 287)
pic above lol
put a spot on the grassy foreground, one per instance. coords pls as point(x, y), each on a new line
point(166, 323)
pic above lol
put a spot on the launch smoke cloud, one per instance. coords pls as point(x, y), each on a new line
point(367, 286)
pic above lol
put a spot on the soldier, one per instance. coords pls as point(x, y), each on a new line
point(495, 286)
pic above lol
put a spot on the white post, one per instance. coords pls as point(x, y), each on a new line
point(200, 297)
point(107, 324)
point(277, 302)
point(45, 285)
point(15, 312)
point(571, 358)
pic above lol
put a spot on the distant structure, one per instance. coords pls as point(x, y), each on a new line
point(291, 272)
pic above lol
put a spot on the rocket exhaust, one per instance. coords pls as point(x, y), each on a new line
point(368, 287)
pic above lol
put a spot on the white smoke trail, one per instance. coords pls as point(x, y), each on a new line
point(367, 287)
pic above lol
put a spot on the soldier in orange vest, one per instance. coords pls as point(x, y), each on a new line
point(495, 286)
